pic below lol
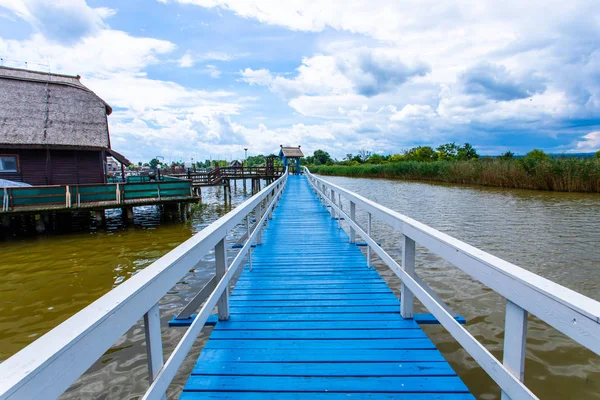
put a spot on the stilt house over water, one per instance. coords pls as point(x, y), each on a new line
point(53, 130)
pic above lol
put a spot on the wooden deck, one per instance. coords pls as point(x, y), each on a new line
point(312, 321)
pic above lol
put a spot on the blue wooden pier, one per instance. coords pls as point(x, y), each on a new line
point(311, 320)
point(308, 316)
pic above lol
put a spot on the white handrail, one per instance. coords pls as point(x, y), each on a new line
point(48, 366)
point(575, 315)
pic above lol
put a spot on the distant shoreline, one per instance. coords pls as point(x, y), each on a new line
point(555, 174)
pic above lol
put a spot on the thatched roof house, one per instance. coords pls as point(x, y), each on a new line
point(293, 153)
point(53, 128)
point(290, 152)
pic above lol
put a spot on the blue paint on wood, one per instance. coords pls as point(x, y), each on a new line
point(421, 384)
point(429, 319)
point(240, 245)
point(211, 321)
point(322, 396)
point(325, 369)
point(311, 321)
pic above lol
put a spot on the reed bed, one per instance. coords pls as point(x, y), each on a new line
point(564, 174)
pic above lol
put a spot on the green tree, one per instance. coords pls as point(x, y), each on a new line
point(396, 158)
point(321, 157)
point(597, 155)
point(363, 155)
point(376, 159)
point(466, 152)
point(421, 153)
point(507, 156)
point(537, 155)
point(154, 162)
point(448, 151)
point(256, 161)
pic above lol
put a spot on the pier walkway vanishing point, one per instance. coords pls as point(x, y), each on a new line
point(308, 317)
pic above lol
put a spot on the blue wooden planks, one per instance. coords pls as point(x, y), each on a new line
point(325, 369)
point(354, 343)
point(421, 384)
point(317, 325)
point(322, 396)
point(324, 334)
point(312, 321)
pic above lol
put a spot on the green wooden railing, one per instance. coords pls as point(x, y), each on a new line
point(83, 196)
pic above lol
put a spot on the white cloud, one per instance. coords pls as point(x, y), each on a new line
point(261, 77)
point(413, 112)
point(186, 61)
point(213, 71)
point(60, 20)
point(590, 142)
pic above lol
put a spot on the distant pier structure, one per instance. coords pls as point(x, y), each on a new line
point(292, 154)
point(54, 145)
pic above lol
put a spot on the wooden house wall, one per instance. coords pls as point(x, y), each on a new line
point(57, 166)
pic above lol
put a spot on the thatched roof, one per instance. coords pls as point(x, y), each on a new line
point(43, 109)
point(291, 152)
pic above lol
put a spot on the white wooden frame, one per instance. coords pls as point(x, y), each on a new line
point(571, 313)
point(48, 366)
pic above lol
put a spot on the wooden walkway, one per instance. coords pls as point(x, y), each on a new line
point(312, 321)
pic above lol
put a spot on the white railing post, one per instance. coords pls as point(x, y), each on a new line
point(221, 270)
point(407, 298)
point(353, 218)
point(515, 336)
point(368, 245)
point(258, 216)
point(341, 209)
point(248, 238)
point(154, 349)
point(271, 207)
point(332, 198)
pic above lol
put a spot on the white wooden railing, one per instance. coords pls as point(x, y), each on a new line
point(571, 313)
point(48, 366)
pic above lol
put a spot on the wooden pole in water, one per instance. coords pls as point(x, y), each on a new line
point(99, 217)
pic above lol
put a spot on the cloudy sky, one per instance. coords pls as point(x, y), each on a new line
point(206, 78)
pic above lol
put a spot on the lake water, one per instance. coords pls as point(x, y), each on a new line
point(46, 279)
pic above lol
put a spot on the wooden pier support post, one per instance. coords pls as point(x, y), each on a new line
point(6, 221)
point(182, 213)
point(99, 217)
point(188, 209)
point(40, 224)
point(127, 214)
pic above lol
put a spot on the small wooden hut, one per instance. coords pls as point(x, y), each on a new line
point(53, 129)
point(291, 153)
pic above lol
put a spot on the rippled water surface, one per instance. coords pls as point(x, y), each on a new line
point(49, 278)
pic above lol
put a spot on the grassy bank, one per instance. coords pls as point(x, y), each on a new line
point(557, 174)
